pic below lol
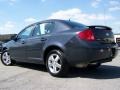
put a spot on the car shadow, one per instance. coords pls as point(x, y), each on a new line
point(32, 66)
point(103, 72)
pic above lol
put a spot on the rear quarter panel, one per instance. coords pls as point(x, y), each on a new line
point(58, 39)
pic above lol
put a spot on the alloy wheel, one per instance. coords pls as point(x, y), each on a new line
point(54, 63)
point(6, 58)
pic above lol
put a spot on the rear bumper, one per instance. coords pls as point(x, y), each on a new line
point(84, 56)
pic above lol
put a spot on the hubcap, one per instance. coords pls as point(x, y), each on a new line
point(54, 63)
point(6, 58)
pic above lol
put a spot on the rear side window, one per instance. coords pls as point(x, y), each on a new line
point(59, 26)
point(75, 25)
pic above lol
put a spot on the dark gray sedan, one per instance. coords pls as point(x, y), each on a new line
point(60, 44)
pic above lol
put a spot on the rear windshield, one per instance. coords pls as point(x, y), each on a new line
point(100, 27)
point(75, 25)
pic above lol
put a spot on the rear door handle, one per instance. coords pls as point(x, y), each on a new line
point(23, 42)
point(43, 39)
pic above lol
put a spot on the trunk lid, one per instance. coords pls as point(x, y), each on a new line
point(103, 34)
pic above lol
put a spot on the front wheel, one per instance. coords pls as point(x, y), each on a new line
point(5, 58)
point(56, 63)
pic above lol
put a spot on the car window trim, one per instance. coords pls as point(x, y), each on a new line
point(25, 29)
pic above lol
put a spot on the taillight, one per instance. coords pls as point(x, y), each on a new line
point(86, 35)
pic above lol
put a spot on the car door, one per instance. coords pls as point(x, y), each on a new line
point(36, 43)
point(18, 50)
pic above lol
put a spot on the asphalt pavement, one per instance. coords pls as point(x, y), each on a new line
point(35, 77)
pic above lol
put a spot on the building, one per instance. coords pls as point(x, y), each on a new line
point(117, 39)
point(6, 37)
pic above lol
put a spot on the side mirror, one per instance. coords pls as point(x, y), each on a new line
point(13, 37)
point(16, 38)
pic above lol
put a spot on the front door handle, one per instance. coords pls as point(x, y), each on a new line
point(43, 39)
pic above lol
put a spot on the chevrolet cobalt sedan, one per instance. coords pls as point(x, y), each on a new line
point(59, 44)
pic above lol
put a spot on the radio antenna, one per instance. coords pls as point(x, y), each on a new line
point(69, 19)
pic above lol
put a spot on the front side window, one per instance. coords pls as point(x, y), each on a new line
point(26, 33)
point(36, 31)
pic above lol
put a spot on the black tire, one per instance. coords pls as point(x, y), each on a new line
point(64, 65)
point(3, 60)
point(94, 66)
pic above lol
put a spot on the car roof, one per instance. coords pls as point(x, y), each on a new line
point(54, 20)
point(50, 20)
point(43, 21)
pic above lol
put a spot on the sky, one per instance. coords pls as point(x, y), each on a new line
point(15, 15)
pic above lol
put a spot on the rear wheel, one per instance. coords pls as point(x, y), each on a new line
point(56, 63)
point(5, 58)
